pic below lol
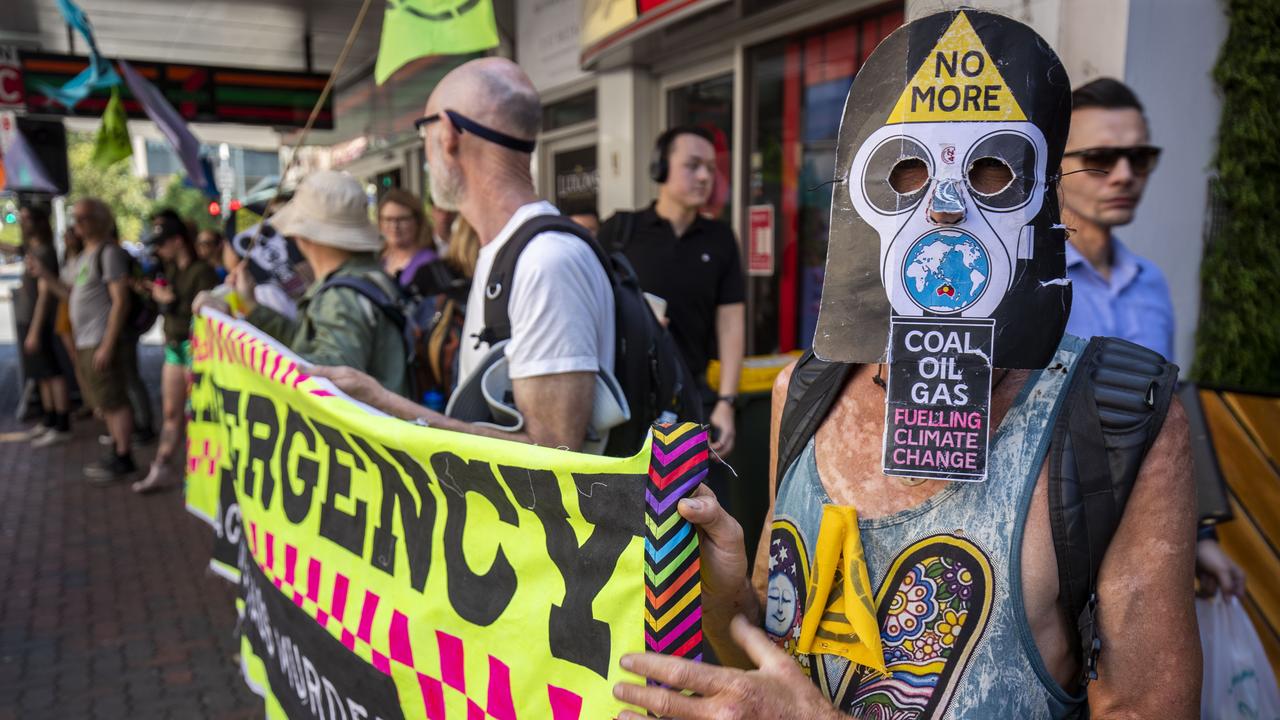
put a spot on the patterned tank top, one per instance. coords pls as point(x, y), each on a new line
point(947, 575)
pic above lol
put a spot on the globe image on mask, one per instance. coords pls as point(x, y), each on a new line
point(946, 271)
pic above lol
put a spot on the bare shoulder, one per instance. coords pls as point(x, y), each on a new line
point(780, 385)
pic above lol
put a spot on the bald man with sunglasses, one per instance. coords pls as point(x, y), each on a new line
point(1105, 169)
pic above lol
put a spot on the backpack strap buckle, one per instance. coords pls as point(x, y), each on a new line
point(1089, 640)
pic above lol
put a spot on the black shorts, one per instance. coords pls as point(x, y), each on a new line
point(43, 363)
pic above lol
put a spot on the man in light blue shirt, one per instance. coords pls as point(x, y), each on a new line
point(1109, 158)
point(1115, 292)
point(1132, 303)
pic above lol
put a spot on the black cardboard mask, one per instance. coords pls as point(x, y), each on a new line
point(962, 112)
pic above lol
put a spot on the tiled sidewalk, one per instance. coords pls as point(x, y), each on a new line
point(106, 608)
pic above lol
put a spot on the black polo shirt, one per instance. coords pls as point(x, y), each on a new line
point(695, 273)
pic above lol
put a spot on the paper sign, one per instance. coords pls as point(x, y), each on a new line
point(760, 240)
point(939, 398)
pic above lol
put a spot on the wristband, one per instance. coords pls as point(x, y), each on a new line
point(731, 399)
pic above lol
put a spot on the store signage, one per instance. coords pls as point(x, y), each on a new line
point(547, 36)
point(610, 24)
point(600, 18)
point(577, 180)
point(12, 92)
point(760, 240)
point(200, 93)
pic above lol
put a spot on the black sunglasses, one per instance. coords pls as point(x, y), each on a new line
point(1142, 158)
point(467, 125)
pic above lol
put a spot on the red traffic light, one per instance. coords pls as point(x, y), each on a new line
point(215, 208)
point(235, 205)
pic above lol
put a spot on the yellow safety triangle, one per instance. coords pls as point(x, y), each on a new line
point(958, 82)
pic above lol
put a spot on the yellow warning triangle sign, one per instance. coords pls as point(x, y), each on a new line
point(957, 82)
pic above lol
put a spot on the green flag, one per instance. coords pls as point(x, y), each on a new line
point(417, 28)
point(112, 144)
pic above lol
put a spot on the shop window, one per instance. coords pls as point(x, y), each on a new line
point(797, 88)
point(573, 110)
point(709, 104)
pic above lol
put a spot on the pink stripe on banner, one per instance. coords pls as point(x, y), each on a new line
point(381, 663)
point(366, 615)
point(348, 640)
point(339, 607)
point(271, 551)
point(451, 670)
point(322, 393)
point(293, 366)
point(275, 368)
point(262, 366)
point(290, 561)
point(322, 617)
point(565, 705)
point(499, 703)
point(398, 639)
point(301, 378)
point(432, 696)
point(474, 711)
point(313, 580)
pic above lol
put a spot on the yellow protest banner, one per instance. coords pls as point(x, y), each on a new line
point(389, 570)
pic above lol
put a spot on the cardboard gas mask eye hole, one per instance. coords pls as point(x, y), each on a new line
point(895, 175)
point(989, 176)
point(908, 176)
point(1003, 172)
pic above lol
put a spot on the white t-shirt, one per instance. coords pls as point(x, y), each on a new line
point(561, 305)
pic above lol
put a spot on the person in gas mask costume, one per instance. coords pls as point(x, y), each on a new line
point(1038, 571)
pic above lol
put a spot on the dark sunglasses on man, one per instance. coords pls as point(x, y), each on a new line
point(465, 124)
point(1142, 158)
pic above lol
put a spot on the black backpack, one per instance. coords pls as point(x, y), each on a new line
point(1114, 409)
point(647, 365)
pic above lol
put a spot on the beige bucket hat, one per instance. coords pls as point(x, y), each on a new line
point(329, 208)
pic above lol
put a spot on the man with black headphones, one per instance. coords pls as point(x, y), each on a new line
point(691, 263)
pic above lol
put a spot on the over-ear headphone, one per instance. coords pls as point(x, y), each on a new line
point(659, 166)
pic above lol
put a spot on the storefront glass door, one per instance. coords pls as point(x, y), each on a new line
point(797, 88)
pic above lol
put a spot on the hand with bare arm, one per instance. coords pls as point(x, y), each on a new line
point(556, 407)
point(775, 688)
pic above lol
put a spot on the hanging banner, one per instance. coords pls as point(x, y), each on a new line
point(388, 570)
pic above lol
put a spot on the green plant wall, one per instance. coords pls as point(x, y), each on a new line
point(1238, 339)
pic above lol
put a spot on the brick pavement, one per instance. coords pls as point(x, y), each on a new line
point(106, 608)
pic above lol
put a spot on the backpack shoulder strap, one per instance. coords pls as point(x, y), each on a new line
point(812, 390)
point(1114, 409)
point(371, 291)
point(497, 291)
point(616, 232)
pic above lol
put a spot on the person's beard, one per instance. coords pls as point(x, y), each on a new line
point(446, 189)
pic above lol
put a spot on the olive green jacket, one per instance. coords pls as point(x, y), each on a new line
point(342, 327)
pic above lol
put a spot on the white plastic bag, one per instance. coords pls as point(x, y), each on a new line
point(1239, 683)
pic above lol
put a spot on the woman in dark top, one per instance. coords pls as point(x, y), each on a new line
point(36, 310)
point(184, 276)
